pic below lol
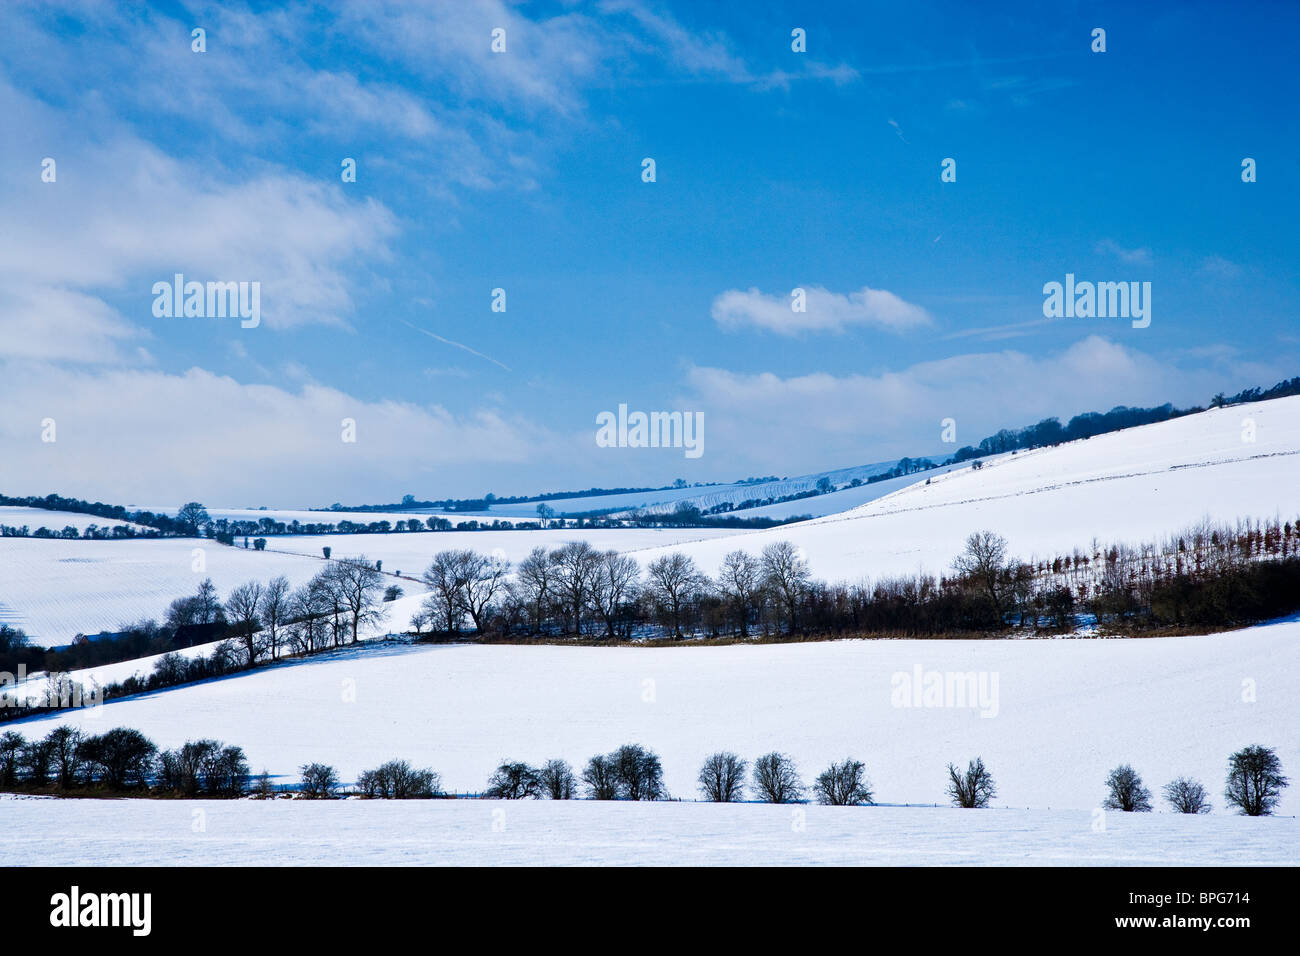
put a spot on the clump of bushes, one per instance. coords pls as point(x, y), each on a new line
point(398, 780)
point(629, 773)
point(318, 781)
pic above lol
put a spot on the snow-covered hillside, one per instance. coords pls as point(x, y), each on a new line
point(1054, 718)
point(56, 589)
point(56, 521)
point(666, 499)
point(1132, 485)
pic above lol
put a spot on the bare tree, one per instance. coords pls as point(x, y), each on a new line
point(483, 582)
point(11, 748)
point(985, 562)
point(61, 744)
point(360, 588)
point(208, 604)
point(638, 772)
point(534, 584)
point(601, 778)
point(191, 516)
point(274, 611)
point(843, 785)
point(308, 607)
point(740, 580)
point(398, 780)
point(242, 608)
point(575, 566)
point(674, 581)
point(1255, 781)
point(614, 586)
point(786, 574)
point(722, 778)
point(1187, 796)
point(319, 781)
point(972, 789)
point(513, 781)
point(557, 780)
point(1126, 791)
point(445, 579)
point(776, 779)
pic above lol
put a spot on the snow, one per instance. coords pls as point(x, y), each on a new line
point(559, 833)
point(1129, 486)
point(1063, 713)
point(55, 589)
point(56, 521)
point(1137, 484)
point(303, 516)
point(707, 496)
point(411, 553)
point(35, 684)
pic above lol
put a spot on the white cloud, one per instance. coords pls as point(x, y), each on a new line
point(1139, 256)
point(825, 311)
point(122, 215)
point(128, 435)
point(768, 422)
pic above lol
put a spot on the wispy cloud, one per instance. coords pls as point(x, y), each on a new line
point(1139, 256)
point(824, 311)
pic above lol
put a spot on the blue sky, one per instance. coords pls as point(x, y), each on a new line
point(522, 170)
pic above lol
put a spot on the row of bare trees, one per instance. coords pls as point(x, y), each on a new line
point(576, 589)
point(334, 608)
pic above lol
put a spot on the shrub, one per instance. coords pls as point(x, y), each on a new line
point(776, 779)
point(972, 789)
point(722, 778)
point(1255, 781)
point(11, 748)
point(1187, 796)
point(600, 778)
point(513, 781)
point(397, 780)
point(843, 785)
point(122, 756)
point(1126, 791)
point(557, 780)
point(629, 773)
point(319, 781)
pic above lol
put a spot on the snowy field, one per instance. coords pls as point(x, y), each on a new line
point(56, 521)
point(56, 589)
point(1060, 714)
point(558, 833)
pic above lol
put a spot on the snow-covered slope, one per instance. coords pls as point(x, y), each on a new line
point(55, 589)
point(1133, 485)
point(1055, 717)
point(56, 521)
point(666, 499)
